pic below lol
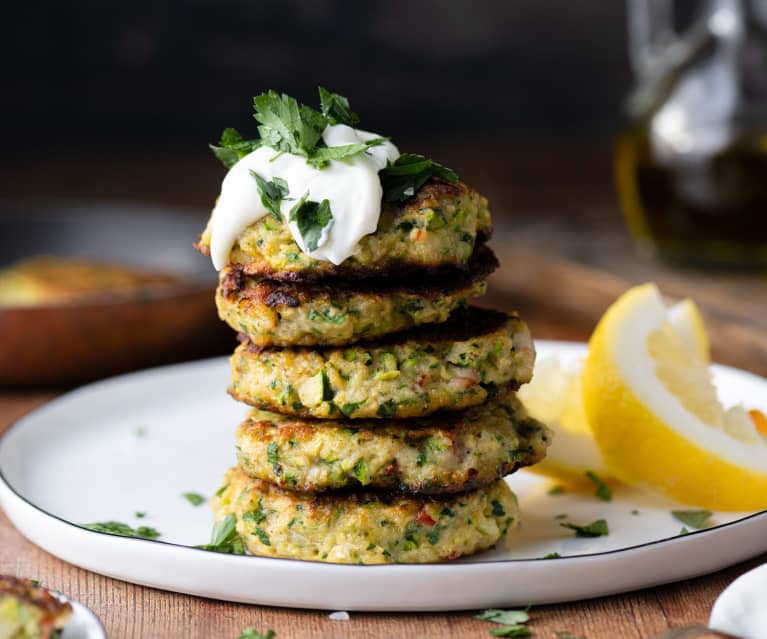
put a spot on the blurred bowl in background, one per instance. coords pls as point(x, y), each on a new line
point(166, 314)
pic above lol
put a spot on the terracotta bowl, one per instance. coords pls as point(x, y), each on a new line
point(66, 344)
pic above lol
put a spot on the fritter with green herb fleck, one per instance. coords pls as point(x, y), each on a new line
point(28, 611)
point(459, 363)
point(273, 313)
point(364, 528)
point(438, 227)
point(443, 453)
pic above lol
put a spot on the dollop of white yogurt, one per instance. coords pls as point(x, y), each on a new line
point(741, 610)
point(351, 186)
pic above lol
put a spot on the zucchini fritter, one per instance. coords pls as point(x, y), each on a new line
point(448, 366)
point(435, 228)
point(364, 528)
point(28, 611)
point(443, 453)
point(273, 313)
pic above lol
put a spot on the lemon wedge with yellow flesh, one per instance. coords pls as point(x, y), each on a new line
point(554, 397)
point(655, 415)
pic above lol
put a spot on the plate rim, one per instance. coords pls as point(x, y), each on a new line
point(454, 566)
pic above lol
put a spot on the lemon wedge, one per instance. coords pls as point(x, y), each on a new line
point(554, 397)
point(655, 415)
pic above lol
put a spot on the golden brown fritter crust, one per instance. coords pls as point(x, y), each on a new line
point(273, 313)
point(444, 453)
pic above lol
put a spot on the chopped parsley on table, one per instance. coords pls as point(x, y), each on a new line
point(513, 622)
point(252, 633)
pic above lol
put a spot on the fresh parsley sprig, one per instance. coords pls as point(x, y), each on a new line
point(409, 173)
point(232, 147)
point(336, 108)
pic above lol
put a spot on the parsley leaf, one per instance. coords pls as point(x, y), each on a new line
point(552, 555)
point(336, 108)
point(409, 173)
point(119, 528)
point(511, 631)
point(232, 147)
point(684, 531)
point(603, 491)
point(312, 218)
point(252, 633)
point(225, 538)
point(597, 528)
point(693, 518)
point(509, 617)
point(272, 193)
point(321, 156)
point(286, 125)
point(194, 498)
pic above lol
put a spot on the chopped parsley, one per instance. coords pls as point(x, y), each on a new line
point(225, 538)
point(498, 510)
point(287, 126)
point(556, 490)
point(511, 631)
point(252, 633)
point(312, 219)
point(693, 518)
point(349, 408)
point(552, 555)
point(272, 453)
point(563, 634)
point(336, 108)
point(272, 193)
point(684, 531)
point(262, 536)
point(387, 408)
point(597, 528)
point(124, 530)
point(232, 147)
point(409, 173)
point(194, 498)
point(513, 622)
point(603, 491)
point(508, 617)
point(139, 514)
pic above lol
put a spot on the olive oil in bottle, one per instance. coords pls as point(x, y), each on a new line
point(708, 210)
point(691, 166)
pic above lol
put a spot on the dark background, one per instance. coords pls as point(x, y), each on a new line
point(172, 74)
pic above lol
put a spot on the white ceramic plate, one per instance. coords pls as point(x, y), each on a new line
point(136, 442)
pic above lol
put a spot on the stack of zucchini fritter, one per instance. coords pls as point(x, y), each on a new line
point(385, 415)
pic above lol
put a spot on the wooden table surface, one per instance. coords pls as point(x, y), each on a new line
point(563, 264)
